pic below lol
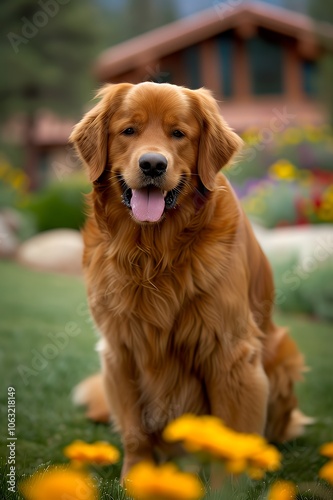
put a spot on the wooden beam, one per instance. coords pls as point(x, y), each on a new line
point(241, 73)
point(292, 73)
point(210, 66)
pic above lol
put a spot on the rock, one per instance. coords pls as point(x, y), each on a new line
point(58, 250)
point(301, 242)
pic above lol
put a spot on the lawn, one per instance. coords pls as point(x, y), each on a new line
point(47, 346)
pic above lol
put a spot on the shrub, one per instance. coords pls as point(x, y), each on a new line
point(13, 185)
point(61, 204)
point(308, 147)
point(313, 294)
point(289, 196)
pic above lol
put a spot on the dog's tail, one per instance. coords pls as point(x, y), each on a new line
point(91, 394)
point(286, 366)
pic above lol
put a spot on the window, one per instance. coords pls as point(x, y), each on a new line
point(192, 66)
point(309, 77)
point(226, 54)
point(266, 66)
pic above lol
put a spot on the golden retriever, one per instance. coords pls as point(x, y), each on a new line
point(178, 286)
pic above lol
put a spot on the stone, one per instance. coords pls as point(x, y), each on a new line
point(57, 251)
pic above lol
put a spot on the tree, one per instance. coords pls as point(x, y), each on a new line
point(46, 49)
point(297, 5)
point(145, 15)
point(322, 10)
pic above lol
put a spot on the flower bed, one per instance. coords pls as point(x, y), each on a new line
point(288, 195)
point(286, 179)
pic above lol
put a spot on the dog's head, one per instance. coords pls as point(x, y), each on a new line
point(157, 141)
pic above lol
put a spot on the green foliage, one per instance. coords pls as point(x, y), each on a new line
point(147, 14)
point(271, 204)
point(46, 50)
point(322, 10)
point(13, 185)
point(61, 204)
point(317, 291)
point(305, 292)
point(325, 84)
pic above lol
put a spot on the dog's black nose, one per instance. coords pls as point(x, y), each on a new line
point(153, 164)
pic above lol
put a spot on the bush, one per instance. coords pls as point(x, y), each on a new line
point(13, 185)
point(309, 147)
point(61, 204)
point(311, 294)
point(290, 196)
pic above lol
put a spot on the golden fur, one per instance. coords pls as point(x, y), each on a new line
point(183, 304)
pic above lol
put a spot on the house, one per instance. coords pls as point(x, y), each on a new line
point(259, 60)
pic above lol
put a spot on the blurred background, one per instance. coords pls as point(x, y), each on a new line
point(270, 65)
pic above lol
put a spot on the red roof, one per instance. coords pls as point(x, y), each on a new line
point(180, 34)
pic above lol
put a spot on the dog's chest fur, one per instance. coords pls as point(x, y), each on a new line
point(156, 303)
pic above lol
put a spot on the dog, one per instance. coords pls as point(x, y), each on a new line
point(177, 284)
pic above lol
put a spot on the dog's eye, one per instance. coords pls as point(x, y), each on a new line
point(178, 134)
point(128, 131)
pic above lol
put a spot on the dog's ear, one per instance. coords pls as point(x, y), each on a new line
point(90, 135)
point(218, 143)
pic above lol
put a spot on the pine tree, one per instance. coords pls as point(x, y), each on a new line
point(145, 15)
point(322, 10)
point(46, 49)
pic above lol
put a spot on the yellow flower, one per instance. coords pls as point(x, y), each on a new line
point(239, 451)
point(325, 211)
point(5, 167)
point(282, 490)
point(327, 450)
point(314, 134)
point(146, 481)
point(251, 136)
point(269, 458)
point(203, 434)
point(329, 192)
point(326, 472)
point(293, 135)
point(254, 205)
point(99, 453)
point(283, 170)
point(59, 482)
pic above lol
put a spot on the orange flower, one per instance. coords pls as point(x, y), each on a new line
point(326, 472)
point(98, 453)
point(147, 481)
point(59, 482)
point(240, 452)
point(282, 490)
point(269, 458)
point(327, 450)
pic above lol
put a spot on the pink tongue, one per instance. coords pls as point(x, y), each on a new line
point(147, 204)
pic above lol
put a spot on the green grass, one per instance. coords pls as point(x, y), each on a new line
point(35, 309)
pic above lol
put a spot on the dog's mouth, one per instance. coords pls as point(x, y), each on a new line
point(149, 203)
